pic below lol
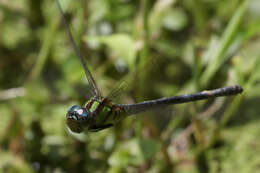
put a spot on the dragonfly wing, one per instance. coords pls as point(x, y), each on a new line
point(118, 90)
point(132, 109)
point(88, 74)
point(152, 104)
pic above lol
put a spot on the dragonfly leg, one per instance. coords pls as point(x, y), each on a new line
point(101, 127)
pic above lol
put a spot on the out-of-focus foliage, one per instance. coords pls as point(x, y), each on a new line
point(159, 48)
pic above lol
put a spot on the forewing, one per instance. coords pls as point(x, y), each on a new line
point(89, 76)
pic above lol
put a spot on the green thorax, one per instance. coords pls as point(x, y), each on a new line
point(109, 114)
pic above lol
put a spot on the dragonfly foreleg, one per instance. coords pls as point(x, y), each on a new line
point(101, 127)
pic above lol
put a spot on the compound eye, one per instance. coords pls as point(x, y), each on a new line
point(74, 108)
point(77, 118)
point(83, 113)
point(77, 113)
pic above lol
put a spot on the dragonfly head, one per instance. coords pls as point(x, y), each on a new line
point(77, 118)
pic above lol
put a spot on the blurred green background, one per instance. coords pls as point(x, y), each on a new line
point(159, 48)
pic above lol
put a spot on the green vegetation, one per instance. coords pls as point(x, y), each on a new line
point(157, 48)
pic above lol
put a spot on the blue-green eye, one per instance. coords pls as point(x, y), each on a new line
point(74, 108)
point(77, 113)
point(77, 118)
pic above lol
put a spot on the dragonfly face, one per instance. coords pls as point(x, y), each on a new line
point(78, 118)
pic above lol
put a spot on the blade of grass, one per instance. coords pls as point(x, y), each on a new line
point(46, 47)
point(145, 52)
point(238, 100)
point(226, 41)
point(234, 106)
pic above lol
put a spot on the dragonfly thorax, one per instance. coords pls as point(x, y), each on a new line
point(78, 118)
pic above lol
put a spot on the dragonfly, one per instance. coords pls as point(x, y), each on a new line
point(100, 112)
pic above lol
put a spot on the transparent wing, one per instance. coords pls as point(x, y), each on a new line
point(89, 76)
point(126, 82)
point(118, 90)
point(151, 104)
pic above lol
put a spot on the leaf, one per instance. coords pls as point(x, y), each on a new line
point(175, 19)
point(121, 44)
point(127, 153)
point(149, 147)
